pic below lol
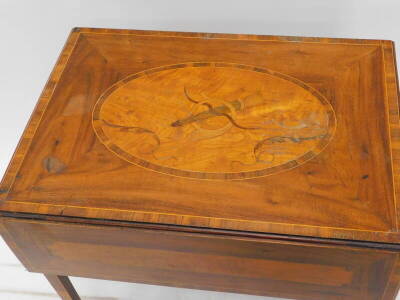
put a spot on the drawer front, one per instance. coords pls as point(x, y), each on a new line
point(202, 261)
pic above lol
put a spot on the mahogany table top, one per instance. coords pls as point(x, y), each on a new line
point(270, 134)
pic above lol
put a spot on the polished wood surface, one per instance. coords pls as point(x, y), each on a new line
point(63, 286)
point(254, 164)
point(213, 120)
point(256, 266)
point(322, 164)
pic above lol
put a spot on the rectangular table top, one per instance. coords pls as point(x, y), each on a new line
point(271, 134)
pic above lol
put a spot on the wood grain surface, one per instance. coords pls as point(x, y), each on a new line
point(282, 177)
point(63, 286)
point(213, 120)
point(256, 266)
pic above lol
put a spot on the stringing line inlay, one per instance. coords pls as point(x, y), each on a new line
point(213, 120)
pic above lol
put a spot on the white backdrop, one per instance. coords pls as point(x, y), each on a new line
point(33, 33)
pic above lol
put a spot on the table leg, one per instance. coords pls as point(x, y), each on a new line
point(63, 287)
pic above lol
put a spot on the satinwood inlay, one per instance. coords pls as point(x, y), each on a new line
point(65, 169)
point(213, 120)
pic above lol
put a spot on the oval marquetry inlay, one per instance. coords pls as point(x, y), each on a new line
point(213, 120)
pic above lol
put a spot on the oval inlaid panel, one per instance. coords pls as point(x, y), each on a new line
point(213, 120)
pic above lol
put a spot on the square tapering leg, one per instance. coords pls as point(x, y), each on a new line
point(63, 287)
